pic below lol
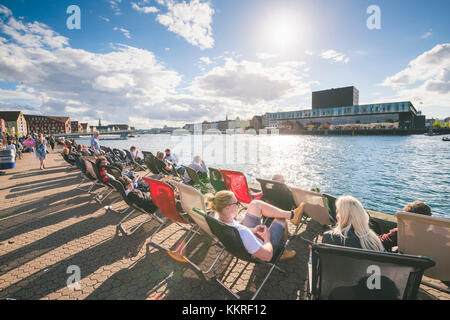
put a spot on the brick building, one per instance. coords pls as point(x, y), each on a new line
point(48, 124)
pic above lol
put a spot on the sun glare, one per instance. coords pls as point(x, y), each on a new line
point(281, 31)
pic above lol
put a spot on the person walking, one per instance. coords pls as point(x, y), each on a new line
point(51, 141)
point(41, 151)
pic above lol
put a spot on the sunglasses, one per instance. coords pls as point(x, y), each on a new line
point(239, 204)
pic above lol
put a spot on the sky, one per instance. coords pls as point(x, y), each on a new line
point(151, 63)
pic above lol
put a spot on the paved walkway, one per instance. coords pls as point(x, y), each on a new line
point(46, 226)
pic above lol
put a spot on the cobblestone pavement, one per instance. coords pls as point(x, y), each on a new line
point(46, 225)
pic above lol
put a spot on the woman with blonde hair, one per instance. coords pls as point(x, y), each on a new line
point(352, 228)
point(260, 241)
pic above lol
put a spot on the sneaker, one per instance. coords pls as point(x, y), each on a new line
point(298, 213)
point(288, 254)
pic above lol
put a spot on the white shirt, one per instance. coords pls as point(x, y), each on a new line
point(172, 158)
point(250, 241)
point(11, 147)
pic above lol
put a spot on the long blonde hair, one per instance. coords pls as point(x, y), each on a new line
point(352, 214)
point(220, 201)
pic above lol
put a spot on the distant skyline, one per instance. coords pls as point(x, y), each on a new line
point(151, 63)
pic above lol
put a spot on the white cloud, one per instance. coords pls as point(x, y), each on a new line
point(104, 19)
point(265, 56)
point(426, 35)
point(167, 49)
point(5, 11)
point(143, 9)
point(309, 52)
point(335, 56)
point(115, 6)
point(426, 77)
point(251, 82)
point(125, 32)
point(191, 20)
point(206, 60)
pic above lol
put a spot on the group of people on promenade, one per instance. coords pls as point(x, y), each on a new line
point(352, 229)
point(36, 143)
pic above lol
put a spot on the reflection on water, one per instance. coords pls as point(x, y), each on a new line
point(383, 172)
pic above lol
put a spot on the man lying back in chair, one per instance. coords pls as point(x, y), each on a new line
point(142, 199)
point(260, 241)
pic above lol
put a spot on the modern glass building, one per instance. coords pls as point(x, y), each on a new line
point(403, 113)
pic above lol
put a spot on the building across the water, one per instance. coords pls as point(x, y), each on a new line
point(48, 124)
point(328, 115)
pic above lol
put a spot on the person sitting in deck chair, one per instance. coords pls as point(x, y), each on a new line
point(352, 228)
point(162, 164)
point(101, 164)
point(137, 181)
point(199, 166)
point(135, 155)
point(260, 241)
point(389, 239)
point(142, 199)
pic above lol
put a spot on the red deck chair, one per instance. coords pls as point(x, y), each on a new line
point(163, 197)
point(237, 183)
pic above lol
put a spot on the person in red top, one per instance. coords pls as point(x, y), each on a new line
point(101, 164)
point(389, 239)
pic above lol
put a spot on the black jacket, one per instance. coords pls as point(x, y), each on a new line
point(142, 199)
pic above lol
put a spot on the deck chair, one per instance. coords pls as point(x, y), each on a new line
point(100, 197)
point(72, 163)
point(136, 165)
point(424, 235)
point(277, 194)
point(344, 273)
point(237, 183)
point(87, 175)
point(163, 197)
point(191, 198)
point(114, 171)
point(315, 206)
point(216, 180)
point(134, 207)
point(196, 182)
point(147, 154)
point(230, 239)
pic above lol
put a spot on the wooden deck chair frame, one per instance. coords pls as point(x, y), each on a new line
point(426, 235)
point(120, 228)
point(230, 239)
point(337, 272)
point(192, 198)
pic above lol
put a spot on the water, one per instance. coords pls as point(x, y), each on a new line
point(383, 172)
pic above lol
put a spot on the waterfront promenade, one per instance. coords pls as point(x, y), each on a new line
point(46, 226)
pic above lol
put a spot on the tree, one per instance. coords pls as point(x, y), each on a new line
point(437, 124)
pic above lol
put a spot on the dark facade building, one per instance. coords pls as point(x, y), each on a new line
point(76, 127)
point(48, 124)
point(340, 97)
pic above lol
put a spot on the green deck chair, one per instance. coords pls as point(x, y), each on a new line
point(217, 180)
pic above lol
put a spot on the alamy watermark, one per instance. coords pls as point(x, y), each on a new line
point(374, 280)
point(74, 20)
point(374, 20)
point(74, 280)
point(236, 146)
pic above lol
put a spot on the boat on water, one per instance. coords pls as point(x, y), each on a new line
point(112, 138)
point(446, 139)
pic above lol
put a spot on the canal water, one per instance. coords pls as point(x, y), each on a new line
point(383, 172)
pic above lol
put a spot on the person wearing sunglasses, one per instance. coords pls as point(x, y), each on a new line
point(259, 240)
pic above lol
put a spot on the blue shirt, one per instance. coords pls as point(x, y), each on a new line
point(96, 143)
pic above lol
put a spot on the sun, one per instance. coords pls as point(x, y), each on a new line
point(281, 31)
